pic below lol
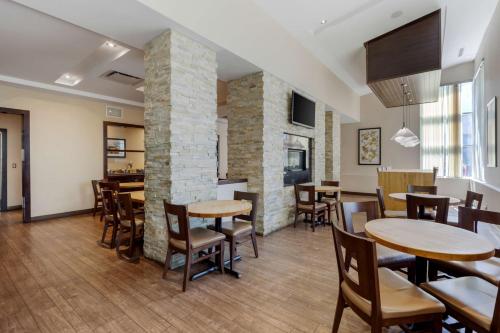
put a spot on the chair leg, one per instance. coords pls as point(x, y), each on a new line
point(295, 220)
point(232, 248)
point(167, 262)
point(113, 234)
point(337, 211)
point(313, 221)
point(187, 270)
point(131, 248)
point(338, 313)
point(221, 257)
point(328, 220)
point(95, 208)
point(254, 243)
point(104, 232)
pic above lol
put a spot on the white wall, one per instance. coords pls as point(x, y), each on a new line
point(363, 178)
point(66, 146)
point(13, 125)
point(459, 73)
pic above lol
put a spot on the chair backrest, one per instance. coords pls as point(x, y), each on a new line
point(178, 215)
point(109, 204)
point(334, 195)
point(349, 208)
point(468, 219)
point(309, 189)
point(427, 189)
point(95, 188)
point(125, 208)
point(112, 186)
point(363, 250)
point(434, 174)
point(413, 204)
point(473, 197)
point(254, 199)
point(381, 201)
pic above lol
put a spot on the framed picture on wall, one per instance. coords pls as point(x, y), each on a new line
point(369, 146)
point(491, 133)
point(116, 148)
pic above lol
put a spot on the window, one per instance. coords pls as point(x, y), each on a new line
point(446, 132)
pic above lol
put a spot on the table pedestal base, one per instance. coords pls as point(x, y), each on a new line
point(212, 267)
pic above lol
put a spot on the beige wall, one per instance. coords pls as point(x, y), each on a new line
point(363, 178)
point(13, 125)
point(134, 141)
point(66, 146)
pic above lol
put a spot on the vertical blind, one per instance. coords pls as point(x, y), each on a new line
point(440, 131)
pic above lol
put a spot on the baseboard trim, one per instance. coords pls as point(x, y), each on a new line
point(61, 215)
point(14, 207)
point(360, 193)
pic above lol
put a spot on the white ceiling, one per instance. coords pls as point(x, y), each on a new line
point(339, 42)
point(40, 48)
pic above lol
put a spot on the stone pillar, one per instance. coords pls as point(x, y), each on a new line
point(332, 142)
point(180, 130)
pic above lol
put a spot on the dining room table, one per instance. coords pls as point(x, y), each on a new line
point(402, 197)
point(428, 240)
point(131, 186)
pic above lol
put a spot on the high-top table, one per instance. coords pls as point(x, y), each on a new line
point(429, 240)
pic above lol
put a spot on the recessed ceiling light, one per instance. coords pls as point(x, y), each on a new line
point(323, 21)
point(110, 44)
point(68, 80)
point(461, 52)
point(397, 14)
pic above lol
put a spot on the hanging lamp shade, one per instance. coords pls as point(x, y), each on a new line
point(404, 136)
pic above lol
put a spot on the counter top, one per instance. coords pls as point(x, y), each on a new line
point(408, 170)
point(232, 181)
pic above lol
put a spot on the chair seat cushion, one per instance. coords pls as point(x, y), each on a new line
point(387, 256)
point(488, 269)
point(319, 206)
point(395, 213)
point(138, 222)
point(398, 297)
point(199, 237)
point(329, 201)
point(236, 228)
point(470, 296)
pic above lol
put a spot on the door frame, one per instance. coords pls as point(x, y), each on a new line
point(3, 189)
point(26, 178)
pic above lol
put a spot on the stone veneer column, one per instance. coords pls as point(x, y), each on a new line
point(259, 110)
point(180, 130)
point(332, 142)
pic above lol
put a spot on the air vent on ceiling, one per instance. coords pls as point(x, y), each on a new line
point(122, 78)
point(113, 112)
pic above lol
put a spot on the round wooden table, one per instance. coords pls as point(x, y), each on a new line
point(137, 196)
point(402, 197)
point(131, 185)
point(218, 209)
point(429, 240)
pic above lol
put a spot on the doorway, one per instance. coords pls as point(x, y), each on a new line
point(24, 205)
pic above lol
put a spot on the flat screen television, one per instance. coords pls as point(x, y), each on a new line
point(303, 111)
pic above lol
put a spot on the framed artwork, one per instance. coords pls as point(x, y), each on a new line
point(116, 148)
point(369, 146)
point(491, 133)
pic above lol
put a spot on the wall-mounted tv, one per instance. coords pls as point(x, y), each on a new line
point(303, 110)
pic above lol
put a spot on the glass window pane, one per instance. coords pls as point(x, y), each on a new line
point(466, 161)
point(465, 97)
point(467, 129)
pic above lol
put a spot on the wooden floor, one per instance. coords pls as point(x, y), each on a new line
point(54, 278)
point(10, 217)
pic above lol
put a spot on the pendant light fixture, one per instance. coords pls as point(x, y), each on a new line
point(405, 137)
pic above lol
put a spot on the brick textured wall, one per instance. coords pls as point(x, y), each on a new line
point(332, 145)
point(180, 130)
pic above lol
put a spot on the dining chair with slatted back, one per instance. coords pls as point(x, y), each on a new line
point(242, 225)
point(331, 199)
point(131, 225)
point(97, 196)
point(182, 239)
point(473, 200)
point(489, 269)
point(415, 207)
point(377, 295)
point(108, 185)
point(426, 189)
point(111, 220)
point(309, 206)
point(387, 257)
point(384, 213)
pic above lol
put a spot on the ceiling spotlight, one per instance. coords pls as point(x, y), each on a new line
point(396, 14)
point(110, 44)
point(323, 21)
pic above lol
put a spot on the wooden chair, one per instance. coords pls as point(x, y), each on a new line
point(415, 208)
point(384, 212)
point(97, 196)
point(110, 218)
point(378, 295)
point(242, 226)
point(108, 185)
point(489, 269)
point(426, 189)
point(189, 241)
point(472, 200)
point(434, 174)
point(131, 225)
point(317, 210)
point(386, 257)
point(331, 199)
point(472, 301)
